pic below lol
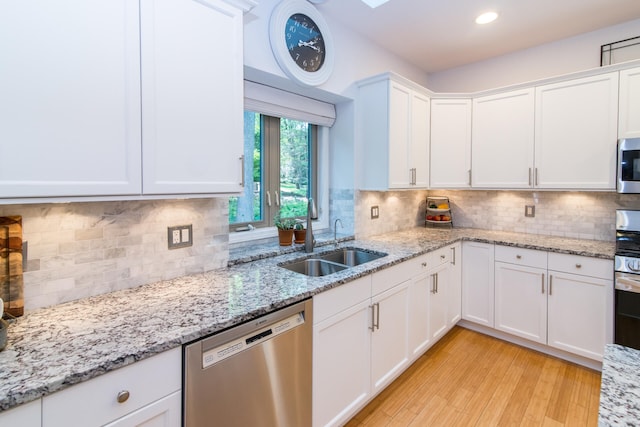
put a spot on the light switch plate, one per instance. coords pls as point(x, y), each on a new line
point(180, 236)
point(375, 212)
point(530, 211)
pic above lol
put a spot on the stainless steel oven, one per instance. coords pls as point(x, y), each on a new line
point(628, 165)
point(627, 278)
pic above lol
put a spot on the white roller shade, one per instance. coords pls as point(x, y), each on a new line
point(279, 103)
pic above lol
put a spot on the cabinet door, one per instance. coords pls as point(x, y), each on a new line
point(419, 150)
point(450, 162)
point(399, 136)
point(477, 282)
point(502, 140)
point(454, 286)
point(26, 415)
point(580, 314)
point(521, 301)
point(438, 303)
point(70, 98)
point(576, 133)
point(629, 111)
point(341, 365)
point(390, 337)
point(419, 337)
point(165, 412)
point(192, 96)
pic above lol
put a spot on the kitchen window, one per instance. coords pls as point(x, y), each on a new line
point(280, 170)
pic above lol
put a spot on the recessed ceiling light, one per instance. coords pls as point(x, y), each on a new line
point(374, 3)
point(487, 17)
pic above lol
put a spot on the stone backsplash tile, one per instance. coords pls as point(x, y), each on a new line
point(78, 250)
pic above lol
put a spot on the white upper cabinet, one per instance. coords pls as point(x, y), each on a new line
point(192, 96)
point(450, 143)
point(69, 98)
point(120, 98)
point(502, 132)
point(575, 133)
point(393, 128)
point(629, 114)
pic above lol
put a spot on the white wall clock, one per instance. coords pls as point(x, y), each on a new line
point(301, 42)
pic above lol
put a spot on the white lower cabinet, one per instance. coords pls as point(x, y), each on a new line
point(580, 305)
point(26, 415)
point(152, 386)
point(478, 282)
point(565, 301)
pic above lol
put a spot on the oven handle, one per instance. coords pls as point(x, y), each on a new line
point(627, 282)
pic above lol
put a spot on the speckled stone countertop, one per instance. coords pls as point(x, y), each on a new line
point(53, 348)
point(620, 387)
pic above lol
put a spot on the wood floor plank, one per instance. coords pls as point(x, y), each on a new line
point(469, 379)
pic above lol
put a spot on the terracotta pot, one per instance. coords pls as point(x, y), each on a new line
point(285, 237)
point(299, 235)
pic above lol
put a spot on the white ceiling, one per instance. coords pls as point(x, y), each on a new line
point(440, 34)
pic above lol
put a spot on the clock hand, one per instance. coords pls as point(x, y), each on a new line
point(309, 44)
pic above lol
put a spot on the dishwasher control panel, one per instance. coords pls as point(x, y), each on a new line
point(222, 352)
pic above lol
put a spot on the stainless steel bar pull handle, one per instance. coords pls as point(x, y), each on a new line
point(469, 177)
point(536, 177)
point(550, 284)
point(542, 283)
point(433, 283)
point(529, 177)
point(373, 318)
point(453, 257)
point(378, 315)
point(242, 171)
point(268, 198)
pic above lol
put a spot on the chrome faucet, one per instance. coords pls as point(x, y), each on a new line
point(309, 241)
point(335, 230)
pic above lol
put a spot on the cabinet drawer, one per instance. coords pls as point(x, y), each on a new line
point(585, 266)
point(94, 402)
point(386, 279)
point(336, 300)
point(521, 256)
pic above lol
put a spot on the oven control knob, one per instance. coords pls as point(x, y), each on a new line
point(633, 264)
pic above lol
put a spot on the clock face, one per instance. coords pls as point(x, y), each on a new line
point(305, 42)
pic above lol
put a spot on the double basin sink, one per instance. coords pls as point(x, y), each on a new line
point(326, 263)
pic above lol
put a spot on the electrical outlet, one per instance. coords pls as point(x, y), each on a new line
point(180, 236)
point(530, 211)
point(375, 212)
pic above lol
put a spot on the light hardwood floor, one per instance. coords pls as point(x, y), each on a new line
point(470, 379)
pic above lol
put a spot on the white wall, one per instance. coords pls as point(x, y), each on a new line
point(562, 57)
point(355, 57)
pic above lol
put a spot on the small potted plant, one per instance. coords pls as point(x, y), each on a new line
point(299, 232)
point(285, 229)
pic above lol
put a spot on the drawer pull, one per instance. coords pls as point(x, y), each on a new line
point(424, 264)
point(519, 256)
point(123, 396)
point(578, 265)
point(443, 256)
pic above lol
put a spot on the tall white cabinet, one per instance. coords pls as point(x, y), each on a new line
point(576, 132)
point(450, 143)
point(392, 116)
point(629, 114)
point(120, 98)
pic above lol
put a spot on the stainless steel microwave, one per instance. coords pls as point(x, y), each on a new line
point(628, 165)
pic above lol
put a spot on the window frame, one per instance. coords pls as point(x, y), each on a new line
point(270, 164)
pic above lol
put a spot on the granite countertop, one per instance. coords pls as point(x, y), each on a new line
point(620, 387)
point(53, 348)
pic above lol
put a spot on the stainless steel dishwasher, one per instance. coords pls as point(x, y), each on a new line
point(255, 374)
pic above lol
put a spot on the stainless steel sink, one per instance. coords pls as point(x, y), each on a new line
point(326, 263)
point(351, 256)
point(314, 267)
